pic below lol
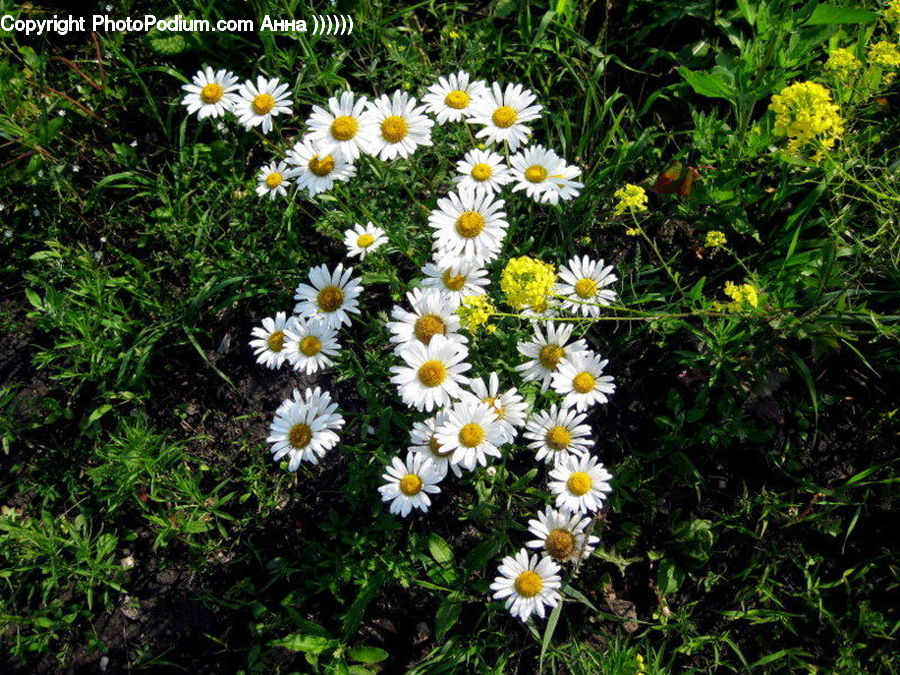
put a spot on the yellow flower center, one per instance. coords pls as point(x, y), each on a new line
point(410, 484)
point(499, 411)
point(427, 326)
point(435, 448)
point(579, 483)
point(457, 99)
point(212, 93)
point(263, 104)
point(300, 435)
point(365, 240)
point(432, 373)
point(330, 298)
point(344, 128)
point(273, 180)
point(529, 584)
point(394, 129)
point(504, 117)
point(535, 174)
point(560, 544)
point(550, 356)
point(321, 166)
point(471, 435)
point(276, 341)
point(470, 224)
point(310, 345)
point(481, 172)
point(584, 382)
point(586, 288)
point(558, 438)
point(453, 283)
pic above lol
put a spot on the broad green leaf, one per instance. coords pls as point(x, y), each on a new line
point(365, 654)
point(707, 83)
point(440, 549)
point(830, 14)
point(305, 643)
point(446, 617)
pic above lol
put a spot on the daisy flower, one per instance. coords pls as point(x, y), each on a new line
point(343, 127)
point(316, 171)
point(544, 175)
point(482, 170)
point(432, 376)
point(469, 227)
point(508, 407)
point(455, 280)
point(423, 441)
point(583, 285)
point(472, 432)
point(274, 179)
point(257, 105)
point(580, 483)
point(579, 379)
point(402, 127)
point(557, 433)
point(450, 98)
point(432, 314)
point(527, 584)
point(363, 239)
point(504, 113)
point(269, 345)
point(407, 484)
point(562, 535)
point(303, 428)
point(210, 94)
point(332, 296)
point(309, 344)
point(547, 350)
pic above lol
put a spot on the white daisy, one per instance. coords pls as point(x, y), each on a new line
point(562, 535)
point(433, 375)
point(504, 113)
point(579, 378)
point(547, 350)
point(432, 314)
point(557, 433)
point(304, 428)
point(407, 484)
point(343, 127)
point(401, 126)
point(256, 105)
point(527, 584)
point(543, 175)
point(269, 345)
point(482, 170)
point(309, 345)
point(450, 98)
point(274, 179)
point(508, 407)
point(331, 297)
point(363, 239)
point(423, 440)
point(583, 285)
point(580, 483)
point(210, 94)
point(472, 432)
point(469, 226)
point(318, 172)
point(456, 281)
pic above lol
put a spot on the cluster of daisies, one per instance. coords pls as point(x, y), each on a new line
point(470, 420)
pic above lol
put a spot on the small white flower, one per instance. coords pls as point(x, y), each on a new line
point(472, 432)
point(504, 114)
point(450, 98)
point(482, 170)
point(343, 127)
point(562, 535)
point(407, 484)
point(331, 297)
point(543, 175)
point(401, 126)
point(583, 284)
point(527, 584)
point(76, 168)
point(256, 105)
point(361, 240)
point(508, 407)
point(579, 378)
point(557, 433)
point(210, 94)
point(304, 428)
point(61, 112)
point(455, 280)
point(432, 376)
point(133, 144)
point(580, 483)
point(547, 350)
point(469, 227)
point(318, 172)
point(274, 179)
point(269, 343)
point(432, 314)
point(423, 440)
point(309, 344)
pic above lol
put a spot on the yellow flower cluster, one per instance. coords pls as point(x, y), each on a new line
point(714, 239)
point(892, 14)
point(843, 62)
point(527, 283)
point(884, 55)
point(475, 311)
point(742, 297)
point(631, 198)
point(805, 114)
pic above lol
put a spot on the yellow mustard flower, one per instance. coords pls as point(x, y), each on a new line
point(527, 282)
point(714, 239)
point(842, 62)
point(892, 14)
point(743, 296)
point(884, 55)
point(631, 198)
point(805, 113)
point(474, 313)
point(633, 231)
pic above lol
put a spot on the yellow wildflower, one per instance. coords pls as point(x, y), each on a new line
point(453, 34)
point(742, 296)
point(842, 62)
point(884, 55)
point(633, 231)
point(892, 14)
point(527, 283)
point(474, 313)
point(714, 239)
point(805, 114)
point(632, 198)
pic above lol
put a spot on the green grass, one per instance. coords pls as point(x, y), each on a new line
point(752, 452)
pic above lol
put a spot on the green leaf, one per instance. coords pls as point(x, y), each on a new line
point(446, 617)
point(669, 577)
point(440, 549)
point(548, 632)
point(707, 83)
point(297, 642)
point(365, 654)
point(829, 14)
